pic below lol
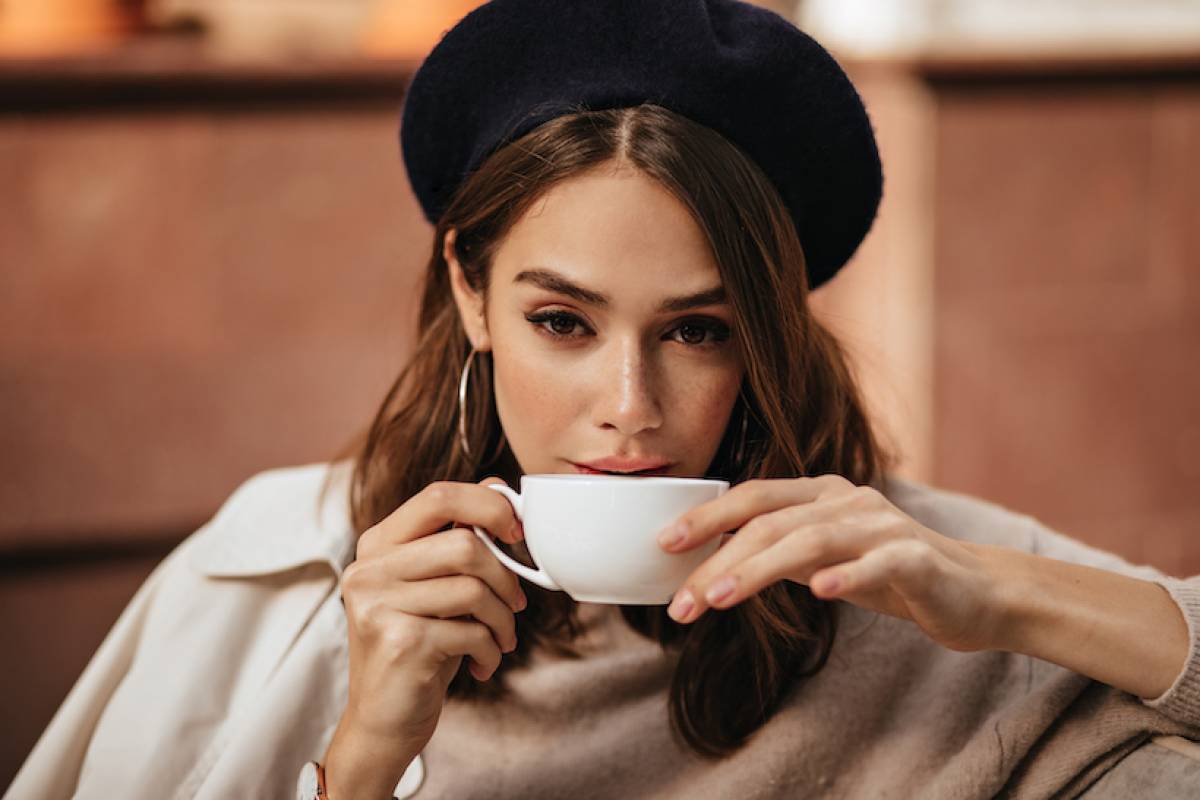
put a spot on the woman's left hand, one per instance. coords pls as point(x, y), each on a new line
point(846, 542)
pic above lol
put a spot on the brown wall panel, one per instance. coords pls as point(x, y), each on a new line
point(1066, 321)
point(190, 297)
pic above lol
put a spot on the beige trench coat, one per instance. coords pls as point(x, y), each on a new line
point(209, 685)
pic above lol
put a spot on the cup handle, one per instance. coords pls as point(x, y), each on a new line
point(539, 576)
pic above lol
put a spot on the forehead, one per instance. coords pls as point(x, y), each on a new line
point(616, 231)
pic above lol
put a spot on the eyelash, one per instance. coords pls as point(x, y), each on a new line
point(718, 332)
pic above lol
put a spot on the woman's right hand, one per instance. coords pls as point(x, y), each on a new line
point(418, 599)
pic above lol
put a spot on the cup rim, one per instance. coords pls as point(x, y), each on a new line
point(623, 479)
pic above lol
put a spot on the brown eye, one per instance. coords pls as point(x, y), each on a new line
point(556, 324)
point(562, 324)
point(692, 334)
point(701, 333)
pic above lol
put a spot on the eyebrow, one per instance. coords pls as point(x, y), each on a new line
point(557, 282)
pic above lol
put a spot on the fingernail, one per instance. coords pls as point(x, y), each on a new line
point(522, 601)
point(671, 537)
point(720, 590)
point(681, 606)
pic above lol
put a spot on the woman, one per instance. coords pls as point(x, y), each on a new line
point(622, 287)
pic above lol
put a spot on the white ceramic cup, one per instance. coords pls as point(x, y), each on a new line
point(595, 536)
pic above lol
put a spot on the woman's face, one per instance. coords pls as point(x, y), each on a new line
point(610, 339)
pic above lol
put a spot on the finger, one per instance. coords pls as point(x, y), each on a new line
point(761, 533)
point(452, 637)
point(517, 532)
point(457, 596)
point(905, 560)
point(742, 503)
point(454, 552)
point(795, 555)
point(436, 505)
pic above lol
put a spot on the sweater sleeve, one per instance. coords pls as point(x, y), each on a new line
point(1182, 700)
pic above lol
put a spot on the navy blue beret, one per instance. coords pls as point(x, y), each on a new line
point(744, 71)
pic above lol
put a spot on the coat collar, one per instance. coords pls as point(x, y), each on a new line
point(273, 523)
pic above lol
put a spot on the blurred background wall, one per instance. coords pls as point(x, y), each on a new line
point(209, 259)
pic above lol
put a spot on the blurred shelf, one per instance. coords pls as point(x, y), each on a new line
point(180, 71)
point(1037, 61)
point(26, 550)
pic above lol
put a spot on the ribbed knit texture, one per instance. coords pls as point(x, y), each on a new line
point(1182, 700)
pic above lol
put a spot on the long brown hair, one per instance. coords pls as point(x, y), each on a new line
point(799, 404)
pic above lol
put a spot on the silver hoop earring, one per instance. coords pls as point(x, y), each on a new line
point(462, 402)
point(462, 415)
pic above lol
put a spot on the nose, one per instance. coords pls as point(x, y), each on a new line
point(627, 390)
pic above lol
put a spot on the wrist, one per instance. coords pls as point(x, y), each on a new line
point(1116, 629)
point(359, 767)
point(1012, 620)
point(1023, 613)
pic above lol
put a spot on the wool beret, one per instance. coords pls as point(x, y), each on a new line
point(739, 69)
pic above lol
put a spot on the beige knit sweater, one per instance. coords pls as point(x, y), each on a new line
point(891, 715)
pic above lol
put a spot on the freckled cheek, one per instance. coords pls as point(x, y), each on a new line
point(536, 402)
point(698, 402)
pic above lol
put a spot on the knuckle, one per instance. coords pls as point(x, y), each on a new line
point(484, 642)
point(438, 493)
point(505, 526)
point(464, 547)
point(502, 517)
point(368, 613)
point(915, 554)
point(487, 640)
point(819, 538)
point(473, 590)
point(875, 522)
point(809, 546)
point(769, 527)
point(351, 575)
point(834, 480)
point(366, 542)
point(751, 490)
point(479, 592)
point(403, 637)
point(761, 527)
point(356, 577)
point(863, 495)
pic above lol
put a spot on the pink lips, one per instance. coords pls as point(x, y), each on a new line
point(623, 466)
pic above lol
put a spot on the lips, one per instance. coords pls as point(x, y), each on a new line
point(623, 466)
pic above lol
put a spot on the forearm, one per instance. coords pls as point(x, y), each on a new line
point(1122, 631)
